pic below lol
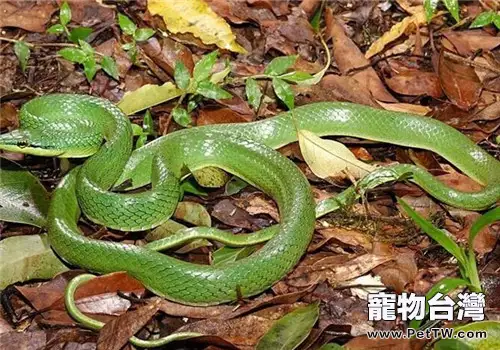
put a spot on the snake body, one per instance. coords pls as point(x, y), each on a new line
point(76, 125)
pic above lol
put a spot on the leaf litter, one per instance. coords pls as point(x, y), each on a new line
point(452, 76)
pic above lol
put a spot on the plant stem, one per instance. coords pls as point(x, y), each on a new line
point(38, 44)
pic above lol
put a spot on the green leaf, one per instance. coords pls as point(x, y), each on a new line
point(128, 46)
point(496, 21)
point(90, 68)
point(279, 65)
point(79, 33)
point(316, 19)
point(27, 257)
point(203, 67)
point(284, 92)
point(192, 104)
point(22, 51)
point(181, 117)
point(148, 124)
point(430, 7)
point(291, 330)
point(73, 54)
point(193, 213)
point(454, 8)
point(56, 29)
point(211, 177)
point(65, 14)
point(181, 75)
point(254, 95)
point(143, 34)
point(132, 52)
point(443, 286)
point(220, 76)
point(451, 344)
point(191, 186)
point(226, 255)
point(23, 199)
point(483, 19)
point(109, 66)
point(141, 140)
point(85, 46)
point(491, 328)
point(126, 24)
point(148, 96)
point(234, 185)
point(436, 234)
point(209, 90)
point(295, 77)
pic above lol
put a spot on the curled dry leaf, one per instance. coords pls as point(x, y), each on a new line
point(230, 214)
point(397, 30)
point(459, 81)
point(113, 49)
point(28, 15)
point(348, 56)
point(197, 18)
point(117, 332)
point(89, 12)
point(166, 52)
point(347, 236)
point(317, 268)
point(8, 117)
point(398, 273)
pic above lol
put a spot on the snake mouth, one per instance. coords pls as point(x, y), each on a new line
point(19, 141)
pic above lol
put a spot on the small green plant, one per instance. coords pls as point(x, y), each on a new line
point(23, 52)
point(81, 52)
point(74, 35)
point(465, 257)
point(276, 71)
point(451, 5)
point(86, 56)
point(136, 34)
point(146, 131)
point(487, 18)
point(202, 84)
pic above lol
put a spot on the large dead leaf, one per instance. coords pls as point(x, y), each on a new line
point(415, 83)
point(197, 18)
point(459, 82)
point(348, 57)
point(469, 42)
point(29, 15)
point(328, 158)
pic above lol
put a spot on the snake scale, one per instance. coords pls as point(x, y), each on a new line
point(65, 125)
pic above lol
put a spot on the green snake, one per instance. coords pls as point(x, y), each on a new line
point(65, 125)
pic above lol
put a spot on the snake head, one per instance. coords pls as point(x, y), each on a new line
point(49, 128)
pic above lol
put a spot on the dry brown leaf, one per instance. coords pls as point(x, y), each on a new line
point(468, 42)
point(219, 116)
point(8, 117)
point(397, 30)
point(28, 15)
point(415, 83)
point(116, 333)
point(398, 273)
point(88, 13)
point(166, 52)
point(347, 236)
point(317, 268)
point(459, 82)
point(405, 107)
point(348, 56)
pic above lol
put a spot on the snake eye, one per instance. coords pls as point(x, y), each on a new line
point(23, 143)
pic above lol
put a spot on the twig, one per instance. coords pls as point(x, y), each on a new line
point(38, 44)
point(469, 62)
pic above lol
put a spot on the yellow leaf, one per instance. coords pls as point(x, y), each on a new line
point(395, 32)
point(147, 96)
point(328, 158)
point(405, 107)
point(197, 18)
